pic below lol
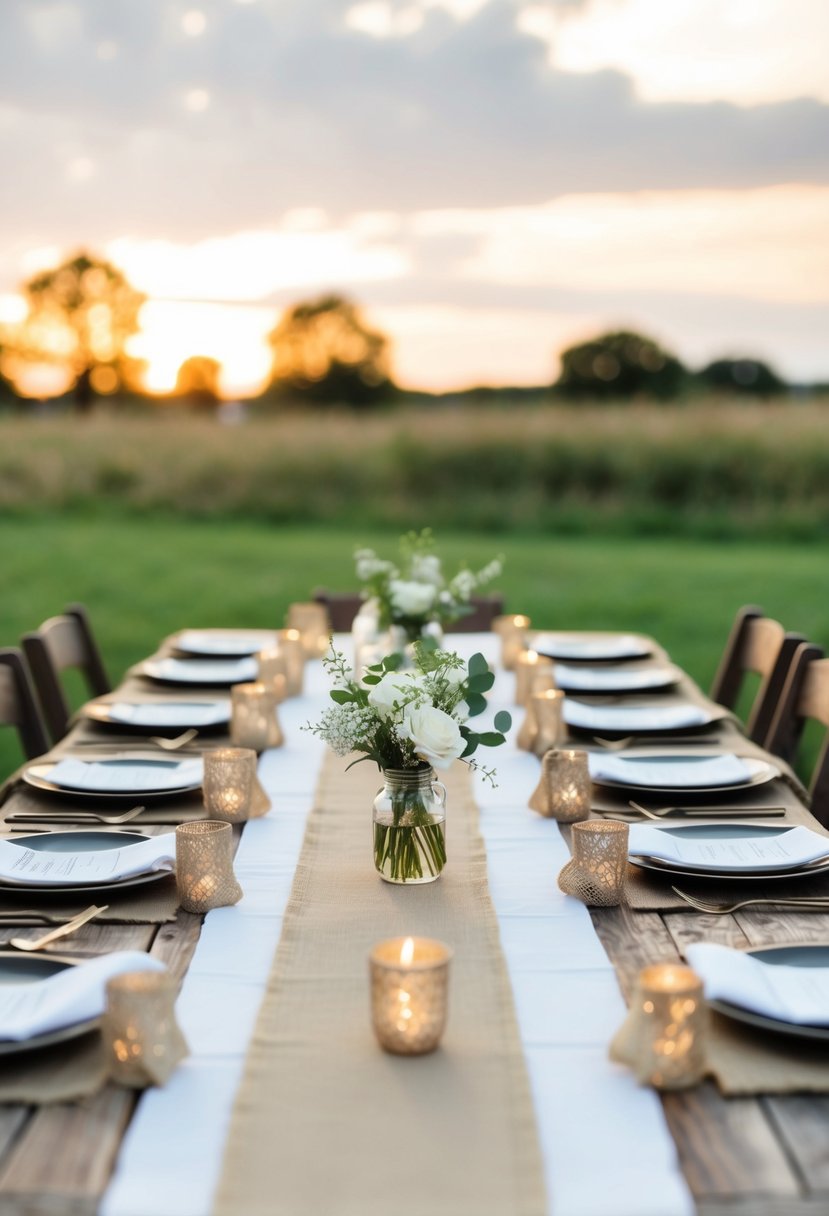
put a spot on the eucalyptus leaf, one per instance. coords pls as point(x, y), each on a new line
point(478, 665)
point(476, 703)
point(503, 721)
point(481, 683)
point(491, 738)
point(341, 696)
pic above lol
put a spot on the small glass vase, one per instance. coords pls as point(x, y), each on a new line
point(409, 826)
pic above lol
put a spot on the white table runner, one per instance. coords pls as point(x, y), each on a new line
point(566, 996)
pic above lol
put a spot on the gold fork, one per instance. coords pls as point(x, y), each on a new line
point(691, 812)
point(172, 745)
point(26, 943)
point(795, 901)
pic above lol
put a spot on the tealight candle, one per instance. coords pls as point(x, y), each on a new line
point(596, 874)
point(564, 788)
point(311, 619)
point(271, 664)
point(253, 717)
point(139, 1031)
point(528, 666)
point(663, 1038)
point(409, 989)
point(231, 787)
point(512, 631)
point(289, 645)
point(204, 866)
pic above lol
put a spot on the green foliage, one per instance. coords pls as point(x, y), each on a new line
point(619, 365)
point(751, 377)
point(324, 353)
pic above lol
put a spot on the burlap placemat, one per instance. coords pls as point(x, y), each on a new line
point(63, 1073)
point(744, 1060)
point(324, 1119)
point(153, 904)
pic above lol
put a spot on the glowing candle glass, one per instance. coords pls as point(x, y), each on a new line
point(596, 874)
point(289, 645)
point(253, 717)
point(550, 732)
point(229, 781)
point(663, 1039)
point(409, 990)
point(271, 665)
point(512, 631)
point(528, 666)
point(139, 1031)
point(311, 619)
point(564, 788)
point(204, 866)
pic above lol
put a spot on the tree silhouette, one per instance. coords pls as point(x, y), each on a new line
point(198, 381)
point(80, 316)
point(620, 364)
point(749, 376)
point(324, 352)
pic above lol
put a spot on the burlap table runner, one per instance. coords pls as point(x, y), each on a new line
point(324, 1119)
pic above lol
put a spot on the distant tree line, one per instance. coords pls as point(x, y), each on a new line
point(81, 315)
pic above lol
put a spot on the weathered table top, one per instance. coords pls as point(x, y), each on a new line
point(761, 1156)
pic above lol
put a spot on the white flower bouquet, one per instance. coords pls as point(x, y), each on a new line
point(409, 723)
point(414, 593)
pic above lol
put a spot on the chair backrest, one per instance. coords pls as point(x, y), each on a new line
point(60, 644)
point(760, 646)
point(18, 707)
point(805, 697)
point(343, 607)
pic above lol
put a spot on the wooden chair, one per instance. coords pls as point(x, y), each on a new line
point(60, 644)
point(805, 698)
point(343, 607)
point(18, 707)
point(760, 646)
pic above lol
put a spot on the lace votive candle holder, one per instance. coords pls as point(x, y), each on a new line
point(551, 730)
point(311, 619)
point(596, 874)
point(564, 787)
point(253, 717)
point(409, 993)
point(229, 781)
point(528, 666)
point(663, 1039)
point(204, 866)
point(512, 631)
point(271, 664)
point(139, 1031)
point(289, 645)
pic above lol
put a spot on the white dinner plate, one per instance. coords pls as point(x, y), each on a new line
point(759, 773)
point(638, 719)
point(150, 716)
point(585, 679)
point(738, 831)
point(784, 956)
point(576, 648)
point(78, 842)
point(16, 968)
point(224, 643)
point(205, 672)
point(40, 776)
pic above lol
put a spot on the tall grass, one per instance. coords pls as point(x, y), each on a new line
point(711, 469)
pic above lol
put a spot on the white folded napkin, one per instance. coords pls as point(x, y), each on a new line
point(633, 718)
point(691, 772)
point(77, 994)
point(216, 641)
point(620, 646)
point(616, 679)
point(171, 713)
point(121, 776)
point(793, 994)
point(39, 867)
point(203, 671)
point(718, 848)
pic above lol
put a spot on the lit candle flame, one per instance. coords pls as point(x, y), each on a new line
point(407, 952)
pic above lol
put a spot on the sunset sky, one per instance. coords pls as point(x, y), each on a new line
point(491, 179)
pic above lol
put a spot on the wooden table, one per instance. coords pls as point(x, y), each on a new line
point(763, 1156)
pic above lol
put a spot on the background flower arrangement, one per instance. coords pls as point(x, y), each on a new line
point(414, 593)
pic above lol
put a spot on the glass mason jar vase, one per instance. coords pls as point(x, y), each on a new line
point(409, 822)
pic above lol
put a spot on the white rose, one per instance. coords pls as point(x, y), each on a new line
point(435, 735)
point(426, 568)
point(395, 686)
point(411, 599)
